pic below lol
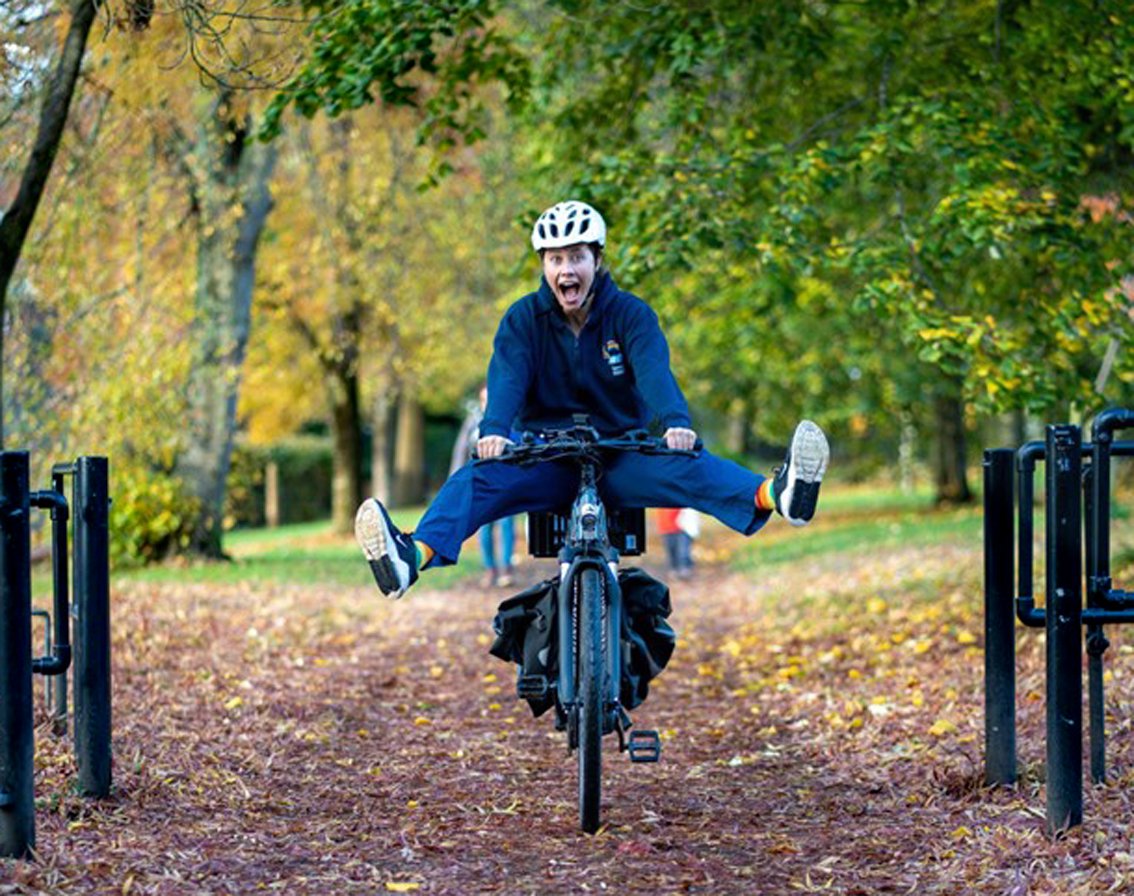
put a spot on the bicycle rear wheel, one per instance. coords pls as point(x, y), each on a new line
point(589, 695)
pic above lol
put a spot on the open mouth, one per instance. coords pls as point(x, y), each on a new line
point(571, 291)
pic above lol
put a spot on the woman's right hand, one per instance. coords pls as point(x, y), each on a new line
point(492, 446)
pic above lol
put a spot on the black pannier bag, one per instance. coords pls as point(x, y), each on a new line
point(527, 628)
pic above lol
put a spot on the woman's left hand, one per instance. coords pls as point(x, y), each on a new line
point(680, 439)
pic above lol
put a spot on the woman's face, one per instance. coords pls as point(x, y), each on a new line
point(570, 272)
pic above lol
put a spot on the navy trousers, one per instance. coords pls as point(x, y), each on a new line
point(481, 492)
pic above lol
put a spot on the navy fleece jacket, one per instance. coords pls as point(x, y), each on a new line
point(616, 371)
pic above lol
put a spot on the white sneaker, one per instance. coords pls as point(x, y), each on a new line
point(796, 483)
point(390, 552)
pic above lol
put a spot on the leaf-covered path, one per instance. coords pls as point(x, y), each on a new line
point(822, 728)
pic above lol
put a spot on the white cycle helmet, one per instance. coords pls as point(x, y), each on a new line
point(567, 223)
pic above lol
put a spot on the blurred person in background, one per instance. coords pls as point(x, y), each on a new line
point(496, 575)
point(678, 527)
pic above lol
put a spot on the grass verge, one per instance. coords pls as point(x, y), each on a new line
point(301, 554)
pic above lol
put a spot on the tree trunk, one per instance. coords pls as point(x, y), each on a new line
point(16, 220)
point(232, 174)
point(949, 462)
point(381, 476)
point(409, 452)
point(738, 427)
point(907, 446)
point(336, 335)
point(346, 433)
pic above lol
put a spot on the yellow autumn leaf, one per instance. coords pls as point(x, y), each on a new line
point(402, 886)
point(942, 727)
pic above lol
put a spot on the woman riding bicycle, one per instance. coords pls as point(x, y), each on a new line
point(580, 345)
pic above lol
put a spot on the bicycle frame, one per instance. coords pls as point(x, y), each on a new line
point(588, 545)
point(590, 623)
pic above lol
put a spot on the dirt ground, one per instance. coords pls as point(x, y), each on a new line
point(822, 729)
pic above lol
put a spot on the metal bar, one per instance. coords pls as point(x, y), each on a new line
point(60, 659)
point(1098, 516)
point(1115, 599)
point(46, 617)
point(1093, 616)
point(58, 683)
point(1096, 640)
point(613, 639)
point(1096, 647)
point(17, 736)
point(92, 625)
point(999, 620)
point(1110, 420)
point(1026, 610)
point(1064, 636)
point(1118, 598)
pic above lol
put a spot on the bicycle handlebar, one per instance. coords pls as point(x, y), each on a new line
point(582, 442)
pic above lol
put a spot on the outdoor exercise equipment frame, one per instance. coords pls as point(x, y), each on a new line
point(1071, 487)
point(91, 613)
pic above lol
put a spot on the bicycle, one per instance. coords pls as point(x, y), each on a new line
point(586, 690)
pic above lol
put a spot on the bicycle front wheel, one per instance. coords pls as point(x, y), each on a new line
point(589, 695)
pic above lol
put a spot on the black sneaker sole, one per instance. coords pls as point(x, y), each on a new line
point(375, 535)
point(807, 464)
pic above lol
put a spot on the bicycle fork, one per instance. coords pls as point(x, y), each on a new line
point(570, 568)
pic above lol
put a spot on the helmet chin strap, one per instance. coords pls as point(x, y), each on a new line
point(590, 299)
point(576, 319)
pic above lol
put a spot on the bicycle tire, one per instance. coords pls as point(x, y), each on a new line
point(591, 668)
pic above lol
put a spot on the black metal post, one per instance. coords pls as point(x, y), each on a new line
point(91, 501)
point(17, 736)
point(999, 619)
point(1064, 629)
point(1097, 643)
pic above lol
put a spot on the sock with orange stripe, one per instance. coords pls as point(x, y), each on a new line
point(765, 495)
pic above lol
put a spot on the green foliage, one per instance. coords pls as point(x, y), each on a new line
point(364, 51)
point(151, 515)
point(304, 469)
point(244, 493)
point(923, 168)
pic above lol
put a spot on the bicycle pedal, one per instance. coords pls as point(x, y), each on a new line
point(532, 687)
point(644, 746)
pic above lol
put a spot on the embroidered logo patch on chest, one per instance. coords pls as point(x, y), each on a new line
point(612, 352)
